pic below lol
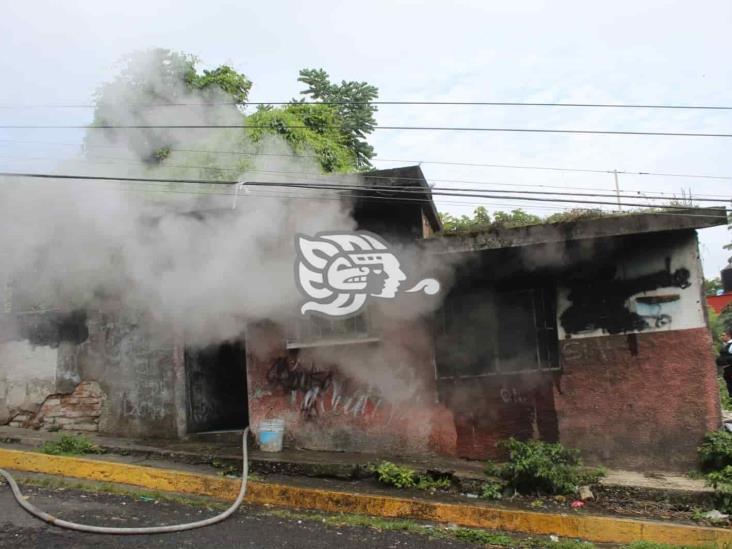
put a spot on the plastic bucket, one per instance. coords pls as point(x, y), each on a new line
point(270, 435)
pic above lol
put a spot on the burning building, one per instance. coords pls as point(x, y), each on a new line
point(590, 332)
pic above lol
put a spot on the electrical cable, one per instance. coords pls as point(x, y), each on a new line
point(339, 195)
point(400, 128)
point(326, 186)
point(400, 160)
point(328, 178)
point(402, 103)
point(50, 519)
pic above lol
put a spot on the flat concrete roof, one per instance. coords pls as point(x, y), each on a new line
point(586, 228)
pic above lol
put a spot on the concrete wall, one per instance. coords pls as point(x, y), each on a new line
point(109, 373)
point(136, 368)
point(27, 377)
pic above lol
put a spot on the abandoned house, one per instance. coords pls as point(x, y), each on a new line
point(590, 332)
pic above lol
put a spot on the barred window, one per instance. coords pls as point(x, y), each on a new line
point(490, 333)
point(312, 331)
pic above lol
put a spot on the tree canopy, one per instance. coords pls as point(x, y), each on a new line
point(158, 87)
point(164, 87)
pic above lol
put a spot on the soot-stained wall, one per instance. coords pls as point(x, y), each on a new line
point(635, 385)
point(638, 387)
point(650, 288)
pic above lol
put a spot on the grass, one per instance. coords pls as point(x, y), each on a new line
point(70, 445)
point(650, 545)
point(485, 538)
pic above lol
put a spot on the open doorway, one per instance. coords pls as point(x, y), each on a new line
point(216, 383)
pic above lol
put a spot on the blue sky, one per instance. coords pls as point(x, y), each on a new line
point(663, 52)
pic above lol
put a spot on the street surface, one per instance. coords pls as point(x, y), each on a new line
point(252, 526)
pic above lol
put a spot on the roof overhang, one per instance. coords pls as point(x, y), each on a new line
point(581, 229)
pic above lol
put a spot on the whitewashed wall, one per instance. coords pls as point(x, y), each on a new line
point(684, 309)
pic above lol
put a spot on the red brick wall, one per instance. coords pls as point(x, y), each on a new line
point(639, 401)
point(493, 408)
point(360, 412)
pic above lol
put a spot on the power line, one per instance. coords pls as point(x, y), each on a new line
point(401, 103)
point(328, 178)
point(323, 186)
point(410, 161)
point(344, 194)
point(400, 128)
point(411, 188)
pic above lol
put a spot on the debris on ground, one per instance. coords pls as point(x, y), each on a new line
point(715, 516)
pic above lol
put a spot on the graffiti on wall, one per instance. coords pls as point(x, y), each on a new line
point(318, 392)
point(604, 302)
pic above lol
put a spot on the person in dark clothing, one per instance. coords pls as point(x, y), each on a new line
point(724, 359)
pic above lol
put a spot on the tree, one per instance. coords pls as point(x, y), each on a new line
point(161, 87)
point(150, 89)
point(712, 285)
point(352, 104)
point(307, 129)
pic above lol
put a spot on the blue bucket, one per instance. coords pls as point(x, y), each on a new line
point(270, 434)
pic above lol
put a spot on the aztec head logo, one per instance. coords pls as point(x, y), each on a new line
point(337, 272)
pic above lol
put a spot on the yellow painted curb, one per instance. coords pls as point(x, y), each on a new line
point(588, 527)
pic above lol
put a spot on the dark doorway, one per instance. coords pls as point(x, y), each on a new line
point(216, 383)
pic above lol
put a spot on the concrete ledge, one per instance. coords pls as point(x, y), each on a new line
point(592, 528)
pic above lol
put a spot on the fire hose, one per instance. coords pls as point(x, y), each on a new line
point(50, 519)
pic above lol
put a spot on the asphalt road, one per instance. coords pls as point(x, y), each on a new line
point(252, 526)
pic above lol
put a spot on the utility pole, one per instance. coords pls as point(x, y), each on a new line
point(617, 190)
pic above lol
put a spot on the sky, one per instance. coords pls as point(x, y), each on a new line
point(623, 52)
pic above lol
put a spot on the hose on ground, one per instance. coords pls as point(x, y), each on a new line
point(50, 519)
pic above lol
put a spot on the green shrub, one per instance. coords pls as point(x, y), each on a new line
point(491, 490)
point(394, 475)
point(721, 481)
point(724, 398)
point(70, 445)
point(537, 467)
point(715, 453)
point(425, 482)
point(403, 477)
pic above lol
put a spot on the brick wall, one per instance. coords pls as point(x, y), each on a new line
point(638, 401)
point(356, 409)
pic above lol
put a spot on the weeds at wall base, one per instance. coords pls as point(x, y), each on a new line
point(70, 445)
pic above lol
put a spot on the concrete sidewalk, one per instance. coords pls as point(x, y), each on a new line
point(224, 450)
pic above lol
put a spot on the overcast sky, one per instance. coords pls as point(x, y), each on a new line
point(650, 52)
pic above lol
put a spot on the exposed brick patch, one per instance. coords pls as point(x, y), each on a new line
point(78, 411)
